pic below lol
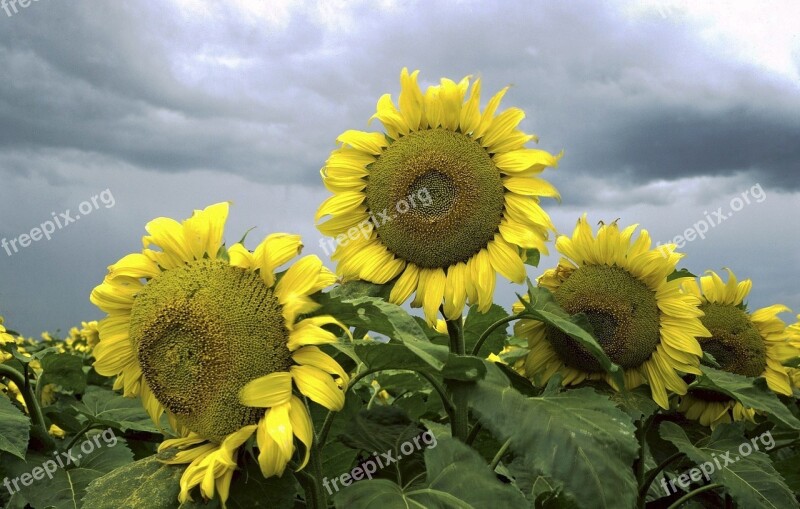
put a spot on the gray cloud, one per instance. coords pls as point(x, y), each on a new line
point(174, 110)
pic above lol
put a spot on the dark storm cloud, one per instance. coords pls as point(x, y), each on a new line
point(631, 100)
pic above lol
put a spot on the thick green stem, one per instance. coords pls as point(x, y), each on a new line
point(316, 467)
point(34, 408)
point(477, 348)
point(459, 422)
point(694, 493)
point(455, 328)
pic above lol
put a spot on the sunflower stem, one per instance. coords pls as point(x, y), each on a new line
point(81, 433)
point(34, 408)
point(477, 348)
point(473, 433)
point(651, 476)
point(447, 403)
point(694, 493)
point(499, 455)
point(321, 500)
point(640, 462)
point(39, 390)
point(459, 422)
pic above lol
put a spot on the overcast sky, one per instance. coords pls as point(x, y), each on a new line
point(668, 112)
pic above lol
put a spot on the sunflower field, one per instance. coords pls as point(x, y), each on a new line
point(239, 373)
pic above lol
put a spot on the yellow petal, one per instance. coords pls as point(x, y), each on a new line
point(405, 284)
point(318, 386)
point(506, 260)
point(531, 186)
point(501, 127)
point(305, 277)
point(455, 291)
point(274, 251)
point(431, 284)
point(135, 265)
point(302, 425)
point(525, 161)
point(203, 231)
point(483, 277)
point(240, 257)
point(410, 100)
point(168, 235)
point(470, 113)
point(308, 333)
point(371, 143)
point(340, 224)
point(267, 391)
point(488, 114)
point(340, 203)
point(390, 117)
point(279, 428)
point(313, 356)
point(270, 459)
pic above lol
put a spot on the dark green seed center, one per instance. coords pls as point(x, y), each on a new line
point(442, 193)
point(201, 333)
point(622, 311)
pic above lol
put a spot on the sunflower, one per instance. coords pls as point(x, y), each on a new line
point(750, 344)
point(642, 321)
point(90, 334)
point(212, 337)
point(442, 200)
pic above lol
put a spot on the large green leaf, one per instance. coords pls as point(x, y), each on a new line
point(388, 430)
point(457, 477)
point(395, 355)
point(578, 438)
point(789, 468)
point(145, 483)
point(750, 479)
point(542, 306)
point(750, 392)
point(376, 315)
point(357, 288)
point(63, 487)
point(14, 429)
point(108, 408)
point(637, 403)
point(250, 489)
point(64, 370)
point(477, 323)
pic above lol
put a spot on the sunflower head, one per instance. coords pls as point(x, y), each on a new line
point(642, 321)
point(210, 336)
point(749, 344)
point(446, 197)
